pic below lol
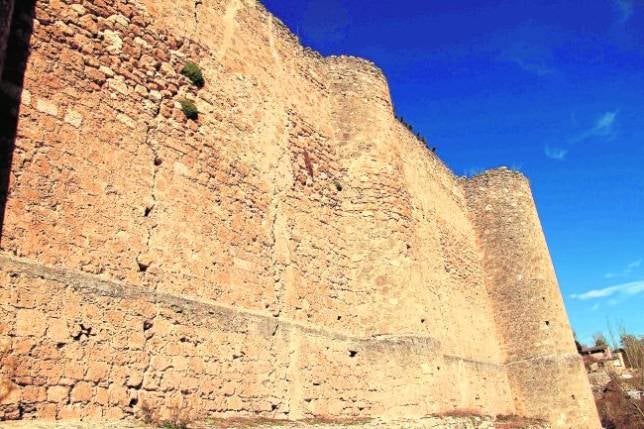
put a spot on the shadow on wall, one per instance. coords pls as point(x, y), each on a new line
point(11, 92)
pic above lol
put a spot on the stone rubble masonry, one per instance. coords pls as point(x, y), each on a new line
point(293, 253)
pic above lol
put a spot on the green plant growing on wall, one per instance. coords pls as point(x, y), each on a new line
point(193, 72)
point(189, 109)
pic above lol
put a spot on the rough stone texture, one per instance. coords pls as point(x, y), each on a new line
point(294, 253)
point(527, 302)
point(87, 348)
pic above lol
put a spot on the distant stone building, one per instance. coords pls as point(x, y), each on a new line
point(602, 358)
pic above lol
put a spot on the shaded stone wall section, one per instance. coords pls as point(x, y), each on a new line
point(6, 14)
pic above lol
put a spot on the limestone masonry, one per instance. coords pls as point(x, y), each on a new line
point(294, 253)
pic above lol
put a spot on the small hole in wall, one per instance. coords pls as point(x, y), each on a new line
point(339, 317)
point(438, 368)
point(543, 298)
point(147, 212)
point(422, 320)
point(352, 353)
point(83, 331)
point(573, 397)
point(408, 246)
point(338, 186)
point(183, 340)
point(274, 407)
point(158, 161)
point(147, 325)
point(143, 267)
point(547, 322)
point(60, 345)
point(133, 402)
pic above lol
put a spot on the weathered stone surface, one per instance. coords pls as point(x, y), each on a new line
point(295, 252)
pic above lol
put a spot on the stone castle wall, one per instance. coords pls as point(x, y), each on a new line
point(295, 252)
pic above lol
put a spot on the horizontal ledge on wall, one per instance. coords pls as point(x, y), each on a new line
point(94, 285)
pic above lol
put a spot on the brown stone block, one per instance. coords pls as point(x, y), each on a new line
point(58, 394)
point(97, 371)
point(172, 380)
point(22, 347)
point(47, 411)
point(118, 395)
point(73, 370)
point(34, 394)
point(95, 75)
point(70, 412)
point(113, 413)
point(82, 392)
point(102, 396)
point(92, 412)
point(57, 331)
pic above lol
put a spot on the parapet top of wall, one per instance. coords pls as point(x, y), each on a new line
point(357, 64)
point(496, 177)
point(362, 81)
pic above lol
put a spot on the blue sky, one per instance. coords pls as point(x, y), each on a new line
point(553, 88)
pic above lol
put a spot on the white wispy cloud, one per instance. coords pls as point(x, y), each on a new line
point(604, 127)
point(626, 289)
point(627, 271)
point(536, 66)
point(556, 153)
point(625, 9)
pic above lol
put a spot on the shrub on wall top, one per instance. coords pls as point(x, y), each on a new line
point(193, 72)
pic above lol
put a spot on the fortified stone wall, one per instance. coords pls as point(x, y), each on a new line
point(295, 252)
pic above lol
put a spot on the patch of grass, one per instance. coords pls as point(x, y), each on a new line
point(241, 422)
point(357, 421)
point(248, 423)
point(193, 72)
point(172, 426)
point(189, 109)
point(516, 422)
